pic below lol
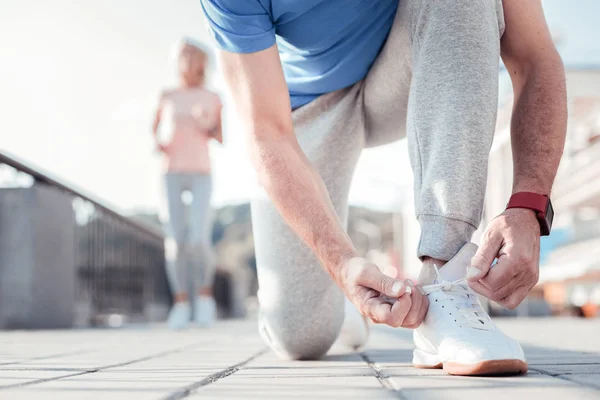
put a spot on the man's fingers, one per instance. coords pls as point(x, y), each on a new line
point(424, 309)
point(373, 278)
point(421, 316)
point(400, 310)
point(485, 256)
point(502, 274)
point(508, 296)
point(379, 310)
point(505, 291)
point(514, 269)
point(513, 300)
point(412, 318)
point(496, 295)
point(511, 285)
point(481, 289)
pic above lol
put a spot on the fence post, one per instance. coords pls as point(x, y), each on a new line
point(37, 258)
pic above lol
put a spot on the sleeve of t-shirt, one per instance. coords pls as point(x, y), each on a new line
point(239, 26)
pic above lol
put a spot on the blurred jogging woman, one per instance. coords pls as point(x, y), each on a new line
point(194, 117)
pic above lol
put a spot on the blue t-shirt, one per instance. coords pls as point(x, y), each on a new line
point(324, 45)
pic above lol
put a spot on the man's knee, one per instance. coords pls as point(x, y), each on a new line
point(463, 14)
point(300, 338)
point(301, 327)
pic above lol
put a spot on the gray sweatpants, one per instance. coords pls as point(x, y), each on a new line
point(188, 246)
point(436, 82)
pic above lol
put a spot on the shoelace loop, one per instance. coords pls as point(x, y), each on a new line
point(470, 309)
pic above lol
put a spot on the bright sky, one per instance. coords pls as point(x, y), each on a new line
point(78, 82)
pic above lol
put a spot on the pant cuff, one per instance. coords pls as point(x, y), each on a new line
point(442, 237)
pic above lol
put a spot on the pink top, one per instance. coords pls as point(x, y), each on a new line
point(192, 114)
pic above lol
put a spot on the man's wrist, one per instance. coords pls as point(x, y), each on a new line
point(339, 261)
point(539, 204)
point(524, 215)
point(524, 211)
point(530, 187)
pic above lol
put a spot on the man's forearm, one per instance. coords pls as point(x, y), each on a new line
point(539, 124)
point(262, 102)
point(300, 196)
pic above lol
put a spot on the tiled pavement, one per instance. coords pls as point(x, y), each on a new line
point(231, 362)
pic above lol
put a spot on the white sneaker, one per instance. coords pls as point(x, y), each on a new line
point(355, 329)
point(205, 311)
point(457, 334)
point(179, 316)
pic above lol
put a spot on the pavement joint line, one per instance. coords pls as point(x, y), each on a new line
point(98, 369)
point(564, 377)
point(383, 378)
point(224, 373)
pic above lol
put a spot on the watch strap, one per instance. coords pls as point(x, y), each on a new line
point(533, 201)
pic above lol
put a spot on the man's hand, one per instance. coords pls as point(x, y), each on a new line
point(383, 299)
point(514, 239)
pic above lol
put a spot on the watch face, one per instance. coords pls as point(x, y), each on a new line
point(549, 214)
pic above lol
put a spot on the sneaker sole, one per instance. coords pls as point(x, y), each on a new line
point(436, 366)
point(483, 368)
point(492, 367)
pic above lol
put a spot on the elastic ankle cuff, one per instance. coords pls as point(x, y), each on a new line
point(442, 237)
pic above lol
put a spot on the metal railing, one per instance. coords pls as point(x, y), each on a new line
point(119, 261)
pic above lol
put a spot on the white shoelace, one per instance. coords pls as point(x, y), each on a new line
point(459, 293)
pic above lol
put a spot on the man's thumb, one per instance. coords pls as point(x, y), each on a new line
point(384, 284)
point(483, 259)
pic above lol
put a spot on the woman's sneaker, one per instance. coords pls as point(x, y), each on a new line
point(457, 334)
point(179, 316)
point(205, 311)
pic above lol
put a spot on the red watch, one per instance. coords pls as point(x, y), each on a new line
point(539, 203)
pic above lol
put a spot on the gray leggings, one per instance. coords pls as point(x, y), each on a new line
point(436, 82)
point(188, 245)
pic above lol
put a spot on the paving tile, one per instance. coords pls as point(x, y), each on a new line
point(437, 385)
point(339, 362)
point(565, 369)
point(284, 387)
point(520, 393)
point(80, 393)
point(12, 378)
point(592, 380)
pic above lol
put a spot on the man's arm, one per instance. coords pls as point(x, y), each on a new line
point(262, 103)
point(539, 120)
point(538, 130)
point(262, 100)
